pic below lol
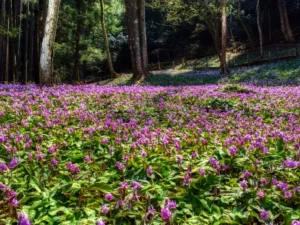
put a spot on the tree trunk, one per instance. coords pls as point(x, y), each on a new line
point(259, 29)
point(46, 59)
point(287, 23)
point(282, 21)
point(106, 42)
point(224, 69)
point(143, 35)
point(76, 68)
point(6, 76)
point(244, 25)
point(26, 44)
point(270, 23)
point(134, 39)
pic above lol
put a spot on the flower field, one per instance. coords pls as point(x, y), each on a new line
point(149, 155)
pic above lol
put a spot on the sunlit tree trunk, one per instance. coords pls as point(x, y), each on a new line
point(46, 59)
point(106, 42)
point(224, 69)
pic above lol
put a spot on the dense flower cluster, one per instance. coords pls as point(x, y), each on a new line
point(160, 155)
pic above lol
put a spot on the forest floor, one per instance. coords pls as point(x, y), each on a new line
point(270, 74)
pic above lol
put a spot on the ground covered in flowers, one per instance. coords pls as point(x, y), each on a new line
point(149, 155)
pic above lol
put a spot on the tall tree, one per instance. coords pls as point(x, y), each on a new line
point(137, 32)
point(241, 20)
point(47, 48)
point(284, 22)
point(76, 67)
point(224, 68)
point(259, 28)
point(106, 42)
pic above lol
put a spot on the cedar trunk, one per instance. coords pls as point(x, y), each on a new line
point(46, 59)
point(76, 68)
point(134, 39)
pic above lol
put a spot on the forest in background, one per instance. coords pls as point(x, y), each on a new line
point(97, 38)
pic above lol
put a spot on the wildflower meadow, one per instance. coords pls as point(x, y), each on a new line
point(149, 155)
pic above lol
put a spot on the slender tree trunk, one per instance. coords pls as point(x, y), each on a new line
point(2, 41)
point(76, 68)
point(259, 29)
point(106, 42)
point(270, 23)
point(47, 49)
point(143, 35)
point(282, 21)
point(7, 46)
point(134, 39)
point(287, 23)
point(224, 69)
point(26, 44)
point(244, 25)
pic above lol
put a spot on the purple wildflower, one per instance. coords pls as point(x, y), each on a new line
point(13, 163)
point(3, 167)
point(261, 194)
point(263, 181)
point(100, 222)
point(149, 171)
point(202, 172)
point(233, 151)
point(23, 220)
point(264, 214)
point(109, 197)
point(166, 214)
point(136, 185)
point(104, 209)
point(54, 162)
point(244, 184)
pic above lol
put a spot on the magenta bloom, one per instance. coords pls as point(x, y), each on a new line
point(109, 197)
point(151, 210)
point(202, 172)
point(247, 174)
point(14, 203)
point(233, 151)
point(124, 185)
point(288, 194)
point(104, 209)
point(244, 184)
point(100, 222)
point(2, 187)
point(261, 194)
point(179, 159)
point(136, 185)
point(23, 220)
point(143, 153)
point(149, 171)
point(295, 222)
point(120, 166)
point(14, 162)
point(264, 214)
point(3, 167)
point(166, 214)
point(263, 181)
point(170, 204)
point(54, 162)
point(187, 179)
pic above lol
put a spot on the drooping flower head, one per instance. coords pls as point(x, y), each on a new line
point(136, 185)
point(104, 209)
point(166, 214)
point(13, 163)
point(23, 220)
point(109, 197)
point(264, 214)
point(244, 184)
